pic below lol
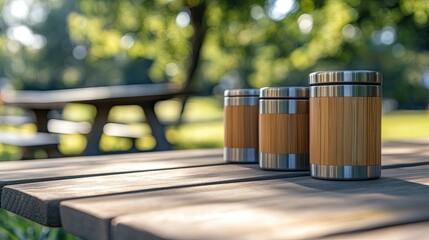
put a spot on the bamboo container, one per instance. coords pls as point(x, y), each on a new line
point(241, 125)
point(283, 128)
point(345, 125)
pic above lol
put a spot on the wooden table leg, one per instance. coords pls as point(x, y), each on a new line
point(158, 130)
point(41, 119)
point(94, 136)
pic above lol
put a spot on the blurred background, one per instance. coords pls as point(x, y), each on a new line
point(209, 46)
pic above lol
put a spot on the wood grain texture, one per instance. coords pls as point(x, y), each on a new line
point(299, 208)
point(393, 152)
point(44, 203)
point(90, 218)
point(113, 95)
point(40, 201)
point(104, 159)
point(283, 133)
point(145, 162)
point(415, 231)
point(241, 126)
point(345, 131)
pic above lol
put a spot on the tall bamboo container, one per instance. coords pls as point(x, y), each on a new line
point(241, 125)
point(345, 125)
point(283, 128)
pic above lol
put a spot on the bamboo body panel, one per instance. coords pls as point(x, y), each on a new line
point(345, 131)
point(284, 133)
point(241, 126)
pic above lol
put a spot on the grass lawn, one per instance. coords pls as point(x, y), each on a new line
point(399, 125)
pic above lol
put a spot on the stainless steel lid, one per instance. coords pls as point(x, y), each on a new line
point(242, 93)
point(285, 92)
point(346, 77)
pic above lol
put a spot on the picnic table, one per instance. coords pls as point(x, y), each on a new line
point(103, 98)
point(193, 194)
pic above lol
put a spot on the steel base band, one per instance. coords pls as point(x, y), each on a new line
point(345, 172)
point(288, 162)
point(241, 155)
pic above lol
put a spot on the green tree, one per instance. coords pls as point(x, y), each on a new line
point(222, 44)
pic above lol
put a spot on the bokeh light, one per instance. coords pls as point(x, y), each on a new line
point(279, 9)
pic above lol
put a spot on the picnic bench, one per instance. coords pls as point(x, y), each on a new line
point(193, 194)
point(103, 98)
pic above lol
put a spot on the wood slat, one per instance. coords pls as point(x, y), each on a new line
point(100, 168)
point(299, 208)
point(393, 153)
point(40, 201)
point(117, 95)
point(38, 139)
point(104, 159)
point(345, 131)
point(241, 126)
point(284, 133)
point(413, 231)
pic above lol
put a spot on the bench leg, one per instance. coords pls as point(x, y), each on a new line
point(53, 152)
point(158, 129)
point(41, 119)
point(27, 153)
point(94, 137)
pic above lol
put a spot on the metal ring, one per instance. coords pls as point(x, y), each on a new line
point(240, 155)
point(345, 172)
point(356, 76)
point(241, 101)
point(286, 106)
point(273, 161)
point(345, 91)
point(241, 92)
point(285, 92)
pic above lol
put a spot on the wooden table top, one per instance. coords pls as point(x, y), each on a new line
point(115, 95)
point(194, 195)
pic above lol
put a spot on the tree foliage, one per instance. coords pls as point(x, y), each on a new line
point(222, 44)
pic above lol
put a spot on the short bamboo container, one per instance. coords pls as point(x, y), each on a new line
point(283, 128)
point(241, 125)
point(345, 125)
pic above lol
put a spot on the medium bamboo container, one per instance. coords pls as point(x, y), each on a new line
point(241, 125)
point(345, 125)
point(283, 128)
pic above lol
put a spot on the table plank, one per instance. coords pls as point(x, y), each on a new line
point(299, 208)
point(116, 95)
point(405, 152)
point(413, 231)
point(40, 201)
point(393, 153)
point(100, 168)
point(104, 159)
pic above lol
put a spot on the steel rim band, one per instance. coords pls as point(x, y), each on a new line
point(241, 92)
point(346, 76)
point(346, 91)
point(284, 92)
point(243, 155)
point(345, 172)
point(267, 106)
point(285, 161)
point(241, 101)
